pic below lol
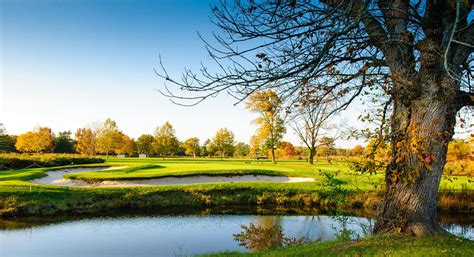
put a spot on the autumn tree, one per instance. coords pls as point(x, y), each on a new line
point(357, 150)
point(86, 141)
point(417, 54)
point(126, 146)
point(223, 142)
point(271, 126)
point(192, 147)
point(64, 142)
point(288, 148)
point(39, 140)
point(109, 137)
point(458, 149)
point(144, 144)
point(166, 143)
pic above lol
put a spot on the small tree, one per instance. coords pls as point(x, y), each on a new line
point(144, 144)
point(192, 147)
point(64, 143)
point(327, 147)
point(209, 148)
point(223, 142)
point(241, 149)
point(7, 142)
point(268, 105)
point(166, 143)
point(311, 118)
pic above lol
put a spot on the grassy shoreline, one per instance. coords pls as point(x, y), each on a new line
point(18, 197)
point(26, 199)
point(380, 245)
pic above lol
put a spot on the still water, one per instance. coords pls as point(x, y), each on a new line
point(169, 235)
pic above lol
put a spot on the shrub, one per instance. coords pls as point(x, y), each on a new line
point(20, 161)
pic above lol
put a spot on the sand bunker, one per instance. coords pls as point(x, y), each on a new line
point(56, 178)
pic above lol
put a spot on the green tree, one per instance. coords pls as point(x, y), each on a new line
point(86, 141)
point(271, 127)
point(109, 137)
point(208, 148)
point(192, 147)
point(7, 142)
point(166, 143)
point(241, 149)
point(145, 144)
point(64, 142)
point(327, 147)
point(223, 142)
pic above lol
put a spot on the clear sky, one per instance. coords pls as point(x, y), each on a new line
point(67, 64)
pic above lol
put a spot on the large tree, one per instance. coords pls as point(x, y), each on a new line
point(271, 126)
point(144, 144)
point(109, 137)
point(166, 143)
point(223, 142)
point(85, 141)
point(416, 54)
point(39, 140)
point(64, 143)
point(192, 147)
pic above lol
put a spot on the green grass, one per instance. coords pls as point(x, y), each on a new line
point(20, 197)
point(382, 245)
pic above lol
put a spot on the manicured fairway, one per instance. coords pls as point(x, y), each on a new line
point(18, 196)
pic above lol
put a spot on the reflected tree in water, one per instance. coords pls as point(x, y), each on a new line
point(265, 233)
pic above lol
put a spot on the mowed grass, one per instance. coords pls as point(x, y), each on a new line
point(159, 168)
point(20, 197)
point(381, 245)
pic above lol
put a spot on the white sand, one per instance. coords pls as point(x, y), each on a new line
point(56, 178)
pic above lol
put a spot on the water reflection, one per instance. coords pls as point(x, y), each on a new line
point(268, 232)
point(265, 233)
point(178, 235)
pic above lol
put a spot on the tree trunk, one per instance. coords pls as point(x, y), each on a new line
point(273, 155)
point(312, 153)
point(421, 132)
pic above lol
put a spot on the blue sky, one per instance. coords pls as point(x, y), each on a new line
point(67, 64)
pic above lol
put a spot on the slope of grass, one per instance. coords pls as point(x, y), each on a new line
point(382, 245)
point(22, 198)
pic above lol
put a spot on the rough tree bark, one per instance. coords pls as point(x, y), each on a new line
point(424, 128)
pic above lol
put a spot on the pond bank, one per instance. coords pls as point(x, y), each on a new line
point(27, 199)
point(168, 235)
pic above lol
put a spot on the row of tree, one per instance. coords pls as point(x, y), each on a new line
point(109, 139)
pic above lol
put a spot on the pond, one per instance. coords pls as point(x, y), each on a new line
point(176, 235)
